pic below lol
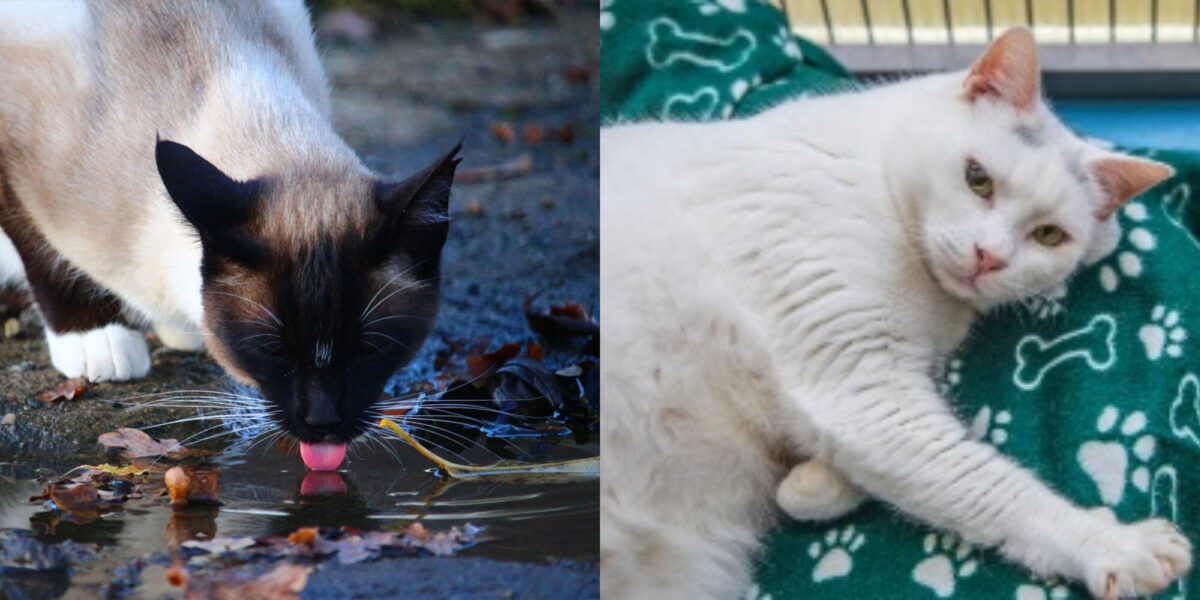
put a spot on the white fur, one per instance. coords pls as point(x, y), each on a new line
point(782, 286)
point(110, 353)
point(33, 21)
point(12, 270)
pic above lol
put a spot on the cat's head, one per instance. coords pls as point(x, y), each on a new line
point(1009, 202)
point(316, 286)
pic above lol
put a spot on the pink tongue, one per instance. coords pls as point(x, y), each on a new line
point(322, 457)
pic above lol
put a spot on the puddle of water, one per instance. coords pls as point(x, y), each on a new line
point(269, 493)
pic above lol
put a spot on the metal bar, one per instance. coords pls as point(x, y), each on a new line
point(783, 4)
point(1153, 21)
point(1112, 20)
point(1029, 13)
point(907, 21)
point(1196, 21)
point(1071, 19)
point(987, 13)
point(866, 10)
point(828, 22)
point(946, 18)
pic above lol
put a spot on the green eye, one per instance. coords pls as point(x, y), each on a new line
point(1049, 235)
point(978, 180)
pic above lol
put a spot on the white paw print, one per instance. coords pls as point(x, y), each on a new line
point(1042, 590)
point(991, 427)
point(949, 560)
point(1128, 262)
point(1050, 304)
point(1108, 462)
point(951, 376)
point(755, 593)
point(607, 20)
point(1163, 334)
point(712, 7)
point(834, 554)
point(787, 42)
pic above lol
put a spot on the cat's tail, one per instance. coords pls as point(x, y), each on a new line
point(644, 558)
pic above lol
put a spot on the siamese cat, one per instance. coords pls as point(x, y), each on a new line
point(172, 164)
point(780, 291)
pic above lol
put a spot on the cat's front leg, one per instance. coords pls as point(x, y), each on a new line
point(899, 441)
point(84, 331)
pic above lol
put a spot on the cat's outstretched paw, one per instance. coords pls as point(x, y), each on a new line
point(110, 353)
point(1138, 559)
point(814, 491)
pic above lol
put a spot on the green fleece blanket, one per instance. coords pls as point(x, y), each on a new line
point(1097, 389)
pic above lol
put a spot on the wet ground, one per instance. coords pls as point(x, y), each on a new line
point(400, 100)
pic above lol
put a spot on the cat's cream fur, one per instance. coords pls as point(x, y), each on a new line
point(780, 290)
point(258, 104)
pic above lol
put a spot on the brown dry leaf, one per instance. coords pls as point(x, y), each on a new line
point(189, 485)
point(67, 390)
point(80, 500)
point(177, 575)
point(304, 535)
point(138, 444)
point(566, 133)
point(569, 319)
point(503, 131)
point(533, 133)
point(480, 364)
point(521, 165)
point(284, 582)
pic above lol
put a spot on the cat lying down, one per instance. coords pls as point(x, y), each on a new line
point(248, 227)
point(788, 284)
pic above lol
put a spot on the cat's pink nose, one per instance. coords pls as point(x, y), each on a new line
point(986, 262)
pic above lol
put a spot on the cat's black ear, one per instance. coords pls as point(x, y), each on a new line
point(1007, 71)
point(414, 213)
point(214, 203)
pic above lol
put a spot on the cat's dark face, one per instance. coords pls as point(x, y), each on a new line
point(314, 303)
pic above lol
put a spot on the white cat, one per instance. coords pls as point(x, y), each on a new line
point(782, 288)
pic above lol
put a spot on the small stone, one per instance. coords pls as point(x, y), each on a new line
point(474, 208)
point(12, 328)
point(547, 202)
point(22, 367)
point(8, 419)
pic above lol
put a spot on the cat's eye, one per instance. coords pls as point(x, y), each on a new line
point(1049, 235)
point(978, 180)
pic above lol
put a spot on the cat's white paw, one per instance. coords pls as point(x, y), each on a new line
point(110, 353)
point(814, 491)
point(179, 339)
point(1138, 559)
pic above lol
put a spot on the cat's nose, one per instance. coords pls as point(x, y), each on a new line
point(986, 262)
point(321, 411)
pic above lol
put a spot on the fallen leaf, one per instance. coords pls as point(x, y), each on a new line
point(480, 364)
point(503, 131)
point(565, 320)
point(504, 469)
point(67, 390)
point(521, 165)
point(189, 485)
point(533, 133)
point(566, 133)
point(304, 535)
point(284, 582)
point(220, 545)
point(138, 444)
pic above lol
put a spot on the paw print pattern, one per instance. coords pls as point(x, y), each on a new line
point(607, 20)
point(1128, 261)
point(1108, 463)
point(754, 592)
point(1042, 590)
point(951, 377)
point(949, 560)
point(990, 427)
point(712, 7)
point(835, 553)
point(1163, 334)
point(786, 42)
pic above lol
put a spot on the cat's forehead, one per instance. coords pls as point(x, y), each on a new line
point(300, 211)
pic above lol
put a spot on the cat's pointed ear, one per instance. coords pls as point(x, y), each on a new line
point(414, 213)
point(214, 203)
point(1123, 177)
point(1008, 71)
